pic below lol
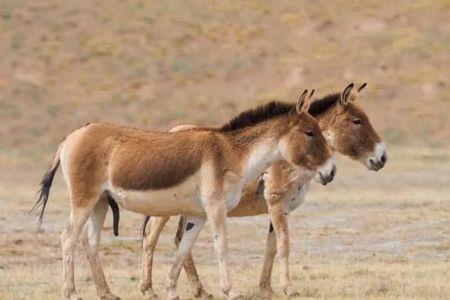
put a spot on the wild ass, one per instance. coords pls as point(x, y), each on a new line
point(196, 173)
point(282, 188)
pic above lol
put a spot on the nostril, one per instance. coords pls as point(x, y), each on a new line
point(383, 158)
point(333, 171)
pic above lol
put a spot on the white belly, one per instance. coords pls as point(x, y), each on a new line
point(180, 199)
point(184, 198)
point(299, 193)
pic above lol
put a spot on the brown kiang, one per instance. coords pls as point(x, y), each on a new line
point(198, 173)
point(282, 188)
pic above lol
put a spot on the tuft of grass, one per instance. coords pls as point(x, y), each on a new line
point(6, 9)
point(53, 110)
point(17, 40)
point(102, 46)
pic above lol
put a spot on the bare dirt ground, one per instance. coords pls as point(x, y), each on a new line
point(155, 65)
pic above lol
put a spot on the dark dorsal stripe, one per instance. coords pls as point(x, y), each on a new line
point(257, 115)
point(323, 104)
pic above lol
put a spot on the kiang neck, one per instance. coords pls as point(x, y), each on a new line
point(326, 121)
point(260, 158)
point(259, 146)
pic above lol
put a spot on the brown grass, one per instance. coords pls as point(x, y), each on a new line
point(368, 235)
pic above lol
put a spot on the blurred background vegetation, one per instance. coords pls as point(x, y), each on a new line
point(156, 64)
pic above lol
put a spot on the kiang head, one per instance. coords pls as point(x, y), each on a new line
point(304, 145)
point(351, 133)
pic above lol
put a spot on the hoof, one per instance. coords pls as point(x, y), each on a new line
point(293, 295)
point(290, 292)
point(150, 294)
point(171, 295)
point(202, 294)
point(109, 297)
point(265, 294)
point(72, 296)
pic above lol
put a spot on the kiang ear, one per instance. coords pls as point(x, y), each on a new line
point(308, 101)
point(301, 102)
point(345, 96)
point(362, 86)
point(355, 94)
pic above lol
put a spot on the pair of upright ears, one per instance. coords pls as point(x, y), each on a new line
point(349, 94)
point(303, 103)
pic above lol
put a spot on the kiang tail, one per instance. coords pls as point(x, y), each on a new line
point(46, 184)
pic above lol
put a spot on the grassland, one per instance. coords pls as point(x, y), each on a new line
point(150, 64)
point(380, 235)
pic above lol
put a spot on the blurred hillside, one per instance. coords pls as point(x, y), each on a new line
point(158, 64)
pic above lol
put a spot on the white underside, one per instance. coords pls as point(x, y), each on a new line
point(296, 195)
point(181, 199)
point(299, 198)
point(185, 198)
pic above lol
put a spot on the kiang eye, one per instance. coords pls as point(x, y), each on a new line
point(309, 133)
point(357, 121)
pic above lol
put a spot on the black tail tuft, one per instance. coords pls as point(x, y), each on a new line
point(180, 231)
point(46, 184)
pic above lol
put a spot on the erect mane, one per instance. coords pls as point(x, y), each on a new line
point(257, 115)
point(323, 104)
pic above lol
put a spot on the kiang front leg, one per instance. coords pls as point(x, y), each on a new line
point(185, 247)
point(216, 213)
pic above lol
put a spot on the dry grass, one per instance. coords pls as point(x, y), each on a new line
point(152, 64)
point(368, 235)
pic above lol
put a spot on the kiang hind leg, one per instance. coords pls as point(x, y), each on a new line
point(90, 240)
point(189, 264)
point(81, 207)
point(151, 233)
point(185, 247)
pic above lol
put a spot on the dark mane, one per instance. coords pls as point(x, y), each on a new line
point(321, 105)
point(258, 115)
